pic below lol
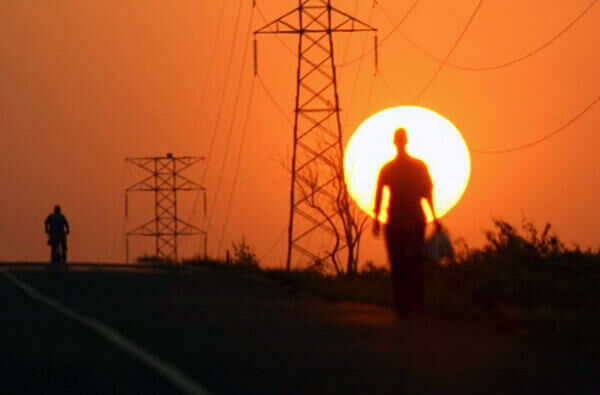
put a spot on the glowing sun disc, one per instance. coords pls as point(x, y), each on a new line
point(431, 138)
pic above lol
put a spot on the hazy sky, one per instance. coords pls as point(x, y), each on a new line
point(87, 83)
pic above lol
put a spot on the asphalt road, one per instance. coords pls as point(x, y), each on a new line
point(239, 335)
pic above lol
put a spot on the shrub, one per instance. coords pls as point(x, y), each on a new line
point(243, 254)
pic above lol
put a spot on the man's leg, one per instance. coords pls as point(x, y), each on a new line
point(417, 269)
point(53, 246)
point(64, 249)
point(396, 246)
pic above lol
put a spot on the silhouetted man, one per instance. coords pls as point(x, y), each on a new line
point(57, 228)
point(407, 180)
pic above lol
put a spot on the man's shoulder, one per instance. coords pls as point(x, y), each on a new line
point(410, 164)
point(386, 169)
point(387, 166)
point(417, 162)
point(56, 217)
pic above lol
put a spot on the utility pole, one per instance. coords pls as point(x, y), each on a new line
point(317, 140)
point(163, 177)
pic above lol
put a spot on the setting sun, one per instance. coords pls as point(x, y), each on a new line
point(431, 138)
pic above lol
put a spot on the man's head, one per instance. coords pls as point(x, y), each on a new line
point(57, 209)
point(400, 139)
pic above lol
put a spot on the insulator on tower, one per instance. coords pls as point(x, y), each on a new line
point(255, 57)
point(376, 53)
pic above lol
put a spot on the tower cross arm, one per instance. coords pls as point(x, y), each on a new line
point(146, 229)
point(187, 161)
point(344, 22)
point(146, 164)
point(146, 184)
point(288, 23)
point(185, 184)
point(187, 229)
point(340, 21)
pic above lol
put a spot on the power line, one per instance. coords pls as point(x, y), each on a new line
point(349, 41)
point(262, 15)
point(360, 64)
point(204, 89)
point(221, 104)
point(273, 246)
point(288, 120)
point(542, 139)
point(507, 63)
point(370, 95)
point(213, 231)
point(274, 101)
point(238, 161)
point(269, 156)
point(410, 10)
point(441, 66)
point(389, 87)
point(231, 124)
point(203, 94)
point(532, 143)
point(224, 90)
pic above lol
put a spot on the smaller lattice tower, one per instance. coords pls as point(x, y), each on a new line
point(163, 177)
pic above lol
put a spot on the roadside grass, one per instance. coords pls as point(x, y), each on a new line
point(527, 282)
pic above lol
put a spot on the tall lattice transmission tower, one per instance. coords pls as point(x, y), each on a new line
point(163, 177)
point(318, 188)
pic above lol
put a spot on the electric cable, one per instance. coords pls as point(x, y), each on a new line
point(290, 50)
point(441, 66)
point(370, 95)
point(274, 101)
point(269, 156)
point(273, 246)
point(213, 231)
point(360, 64)
point(224, 89)
point(506, 63)
point(283, 114)
point(231, 124)
point(410, 10)
point(220, 108)
point(203, 94)
point(389, 86)
point(238, 161)
point(204, 90)
point(541, 139)
point(347, 48)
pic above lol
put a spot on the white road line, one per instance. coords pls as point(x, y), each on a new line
point(170, 373)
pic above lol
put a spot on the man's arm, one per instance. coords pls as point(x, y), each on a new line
point(46, 225)
point(429, 197)
point(377, 208)
point(66, 225)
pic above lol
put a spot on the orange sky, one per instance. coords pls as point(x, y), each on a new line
point(86, 84)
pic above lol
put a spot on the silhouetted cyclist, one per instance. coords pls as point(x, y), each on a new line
point(57, 228)
point(407, 180)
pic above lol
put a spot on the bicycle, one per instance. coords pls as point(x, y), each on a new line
point(57, 250)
